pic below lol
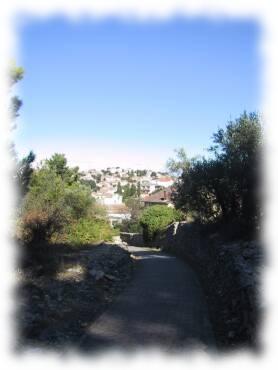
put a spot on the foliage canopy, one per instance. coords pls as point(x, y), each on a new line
point(226, 186)
point(155, 218)
point(57, 204)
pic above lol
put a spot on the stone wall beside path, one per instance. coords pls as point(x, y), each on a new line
point(229, 274)
point(134, 239)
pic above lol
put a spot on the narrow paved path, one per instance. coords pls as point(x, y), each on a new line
point(162, 307)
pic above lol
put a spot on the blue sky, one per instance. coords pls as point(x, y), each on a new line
point(114, 92)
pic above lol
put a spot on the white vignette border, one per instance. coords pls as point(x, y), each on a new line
point(261, 11)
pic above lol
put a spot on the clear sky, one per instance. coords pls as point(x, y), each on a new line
point(114, 92)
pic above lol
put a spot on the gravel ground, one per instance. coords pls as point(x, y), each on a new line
point(54, 311)
point(106, 298)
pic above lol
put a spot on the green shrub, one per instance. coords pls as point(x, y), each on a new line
point(51, 205)
point(155, 218)
point(58, 208)
point(97, 210)
point(130, 226)
point(44, 211)
point(40, 225)
point(78, 200)
point(88, 231)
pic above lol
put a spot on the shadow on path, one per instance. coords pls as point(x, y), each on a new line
point(163, 307)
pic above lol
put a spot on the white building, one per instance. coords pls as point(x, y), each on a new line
point(163, 182)
point(117, 213)
point(108, 199)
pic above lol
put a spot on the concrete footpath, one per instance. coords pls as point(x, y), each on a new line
point(163, 307)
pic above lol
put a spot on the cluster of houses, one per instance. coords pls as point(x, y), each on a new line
point(155, 188)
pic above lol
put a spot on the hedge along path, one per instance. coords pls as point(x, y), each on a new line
point(163, 307)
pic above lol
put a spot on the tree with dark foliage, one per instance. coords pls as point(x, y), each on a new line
point(23, 167)
point(24, 172)
point(226, 187)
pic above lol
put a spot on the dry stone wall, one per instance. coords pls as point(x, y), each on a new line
point(229, 274)
point(134, 239)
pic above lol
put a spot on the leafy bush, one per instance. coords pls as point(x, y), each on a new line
point(130, 226)
point(133, 225)
point(88, 231)
point(78, 200)
point(97, 210)
point(44, 210)
point(155, 218)
point(59, 209)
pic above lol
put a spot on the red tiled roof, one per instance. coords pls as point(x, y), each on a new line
point(162, 196)
point(165, 179)
point(117, 208)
